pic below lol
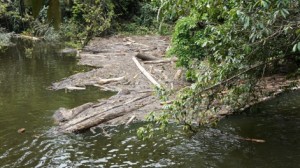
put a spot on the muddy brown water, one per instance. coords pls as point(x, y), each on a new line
point(26, 70)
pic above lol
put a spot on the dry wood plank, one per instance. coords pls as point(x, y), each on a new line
point(147, 74)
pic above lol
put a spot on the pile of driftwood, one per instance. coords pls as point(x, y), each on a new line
point(88, 115)
point(92, 114)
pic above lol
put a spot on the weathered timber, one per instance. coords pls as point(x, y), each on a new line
point(170, 60)
point(21, 36)
point(130, 120)
point(75, 88)
point(105, 81)
point(146, 57)
point(63, 114)
point(105, 112)
point(147, 74)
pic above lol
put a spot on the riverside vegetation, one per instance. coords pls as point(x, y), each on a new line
point(227, 48)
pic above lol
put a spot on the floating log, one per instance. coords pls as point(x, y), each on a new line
point(21, 130)
point(147, 74)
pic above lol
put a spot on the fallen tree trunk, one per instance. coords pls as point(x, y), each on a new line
point(145, 57)
point(147, 74)
point(88, 119)
point(63, 114)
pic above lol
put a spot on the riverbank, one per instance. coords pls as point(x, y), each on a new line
point(116, 69)
point(123, 65)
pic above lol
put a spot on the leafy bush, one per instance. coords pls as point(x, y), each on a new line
point(228, 47)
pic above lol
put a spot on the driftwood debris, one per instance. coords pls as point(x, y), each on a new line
point(170, 60)
point(130, 120)
point(75, 88)
point(21, 36)
point(147, 74)
point(105, 81)
point(178, 75)
point(146, 57)
point(252, 140)
point(63, 114)
point(82, 118)
point(21, 130)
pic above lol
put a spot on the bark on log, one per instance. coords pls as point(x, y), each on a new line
point(145, 57)
point(63, 114)
point(88, 120)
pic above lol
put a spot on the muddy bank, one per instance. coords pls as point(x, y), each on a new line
point(116, 70)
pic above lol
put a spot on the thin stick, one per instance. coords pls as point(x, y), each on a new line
point(130, 120)
point(161, 61)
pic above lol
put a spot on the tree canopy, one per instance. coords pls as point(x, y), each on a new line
point(226, 47)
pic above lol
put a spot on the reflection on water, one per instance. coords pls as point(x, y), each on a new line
point(24, 102)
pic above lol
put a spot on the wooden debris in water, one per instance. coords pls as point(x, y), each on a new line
point(252, 140)
point(21, 130)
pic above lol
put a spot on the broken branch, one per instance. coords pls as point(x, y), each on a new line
point(147, 74)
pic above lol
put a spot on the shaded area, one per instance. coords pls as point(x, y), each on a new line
point(26, 70)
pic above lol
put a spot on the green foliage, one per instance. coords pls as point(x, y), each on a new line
point(226, 48)
point(138, 17)
point(4, 39)
point(88, 19)
point(10, 17)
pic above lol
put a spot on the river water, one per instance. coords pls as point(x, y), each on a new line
point(26, 71)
